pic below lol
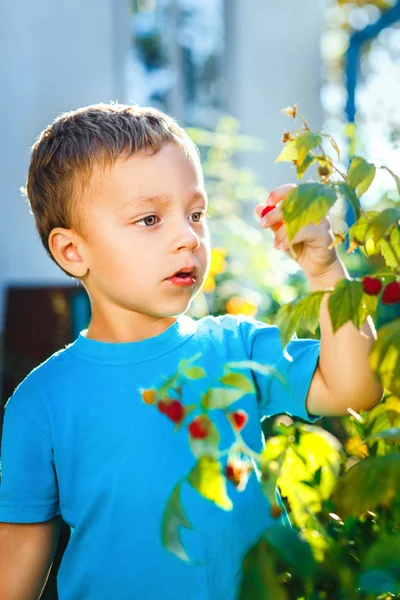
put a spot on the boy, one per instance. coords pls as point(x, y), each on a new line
point(118, 196)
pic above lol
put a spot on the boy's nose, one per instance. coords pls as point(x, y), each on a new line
point(185, 236)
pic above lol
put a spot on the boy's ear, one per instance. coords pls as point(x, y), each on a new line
point(65, 247)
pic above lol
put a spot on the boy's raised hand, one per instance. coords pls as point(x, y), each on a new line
point(309, 247)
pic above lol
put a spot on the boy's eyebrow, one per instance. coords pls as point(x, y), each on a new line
point(164, 199)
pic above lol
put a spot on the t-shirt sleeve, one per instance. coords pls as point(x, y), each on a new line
point(297, 363)
point(28, 483)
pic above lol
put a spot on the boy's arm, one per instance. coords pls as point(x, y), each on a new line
point(343, 377)
point(26, 555)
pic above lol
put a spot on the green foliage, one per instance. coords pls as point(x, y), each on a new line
point(342, 491)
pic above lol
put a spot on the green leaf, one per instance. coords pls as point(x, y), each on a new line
point(349, 194)
point(395, 177)
point(370, 483)
point(289, 152)
point(207, 479)
point(259, 580)
point(208, 445)
point(357, 231)
point(238, 380)
point(302, 312)
point(391, 259)
point(195, 373)
point(344, 303)
point(295, 551)
point(368, 307)
point(360, 175)
point(384, 555)
point(305, 204)
point(220, 397)
point(174, 517)
point(304, 143)
point(384, 358)
point(381, 223)
point(303, 166)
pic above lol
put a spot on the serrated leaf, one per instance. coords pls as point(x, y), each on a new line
point(195, 373)
point(173, 518)
point(238, 380)
point(221, 397)
point(304, 165)
point(304, 143)
point(395, 177)
point(368, 307)
point(384, 357)
point(208, 445)
point(381, 223)
point(307, 203)
point(207, 479)
point(360, 175)
point(344, 303)
point(368, 484)
point(289, 152)
point(357, 231)
point(302, 312)
point(391, 259)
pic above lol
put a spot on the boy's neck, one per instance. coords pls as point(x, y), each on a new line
point(140, 328)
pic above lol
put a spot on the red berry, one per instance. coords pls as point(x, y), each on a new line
point(372, 286)
point(391, 293)
point(198, 428)
point(239, 419)
point(174, 410)
point(266, 210)
point(238, 471)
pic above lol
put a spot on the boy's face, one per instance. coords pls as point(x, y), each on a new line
point(134, 244)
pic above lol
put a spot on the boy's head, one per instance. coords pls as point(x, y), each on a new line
point(118, 197)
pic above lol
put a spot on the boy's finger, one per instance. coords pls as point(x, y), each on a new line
point(258, 210)
point(274, 217)
point(279, 193)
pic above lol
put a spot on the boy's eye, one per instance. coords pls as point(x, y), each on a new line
point(151, 219)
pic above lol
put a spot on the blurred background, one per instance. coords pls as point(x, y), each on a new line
point(224, 69)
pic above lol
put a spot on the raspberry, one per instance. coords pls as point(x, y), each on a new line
point(238, 472)
point(198, 428)
point(371, 285)
point(174, 410)
point(391, 293)
point(238, 419)
point(276, 511)
point(266, 210)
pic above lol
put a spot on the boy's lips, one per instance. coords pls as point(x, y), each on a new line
point(189, 271)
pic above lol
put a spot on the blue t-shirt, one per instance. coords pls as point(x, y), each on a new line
point(80, 442)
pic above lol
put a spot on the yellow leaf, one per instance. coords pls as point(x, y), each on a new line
point(207, 479)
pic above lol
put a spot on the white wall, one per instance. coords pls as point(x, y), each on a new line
point(272, 61)
point(55, 55)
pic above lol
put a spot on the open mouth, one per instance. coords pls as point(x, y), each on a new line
point(185, 273)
